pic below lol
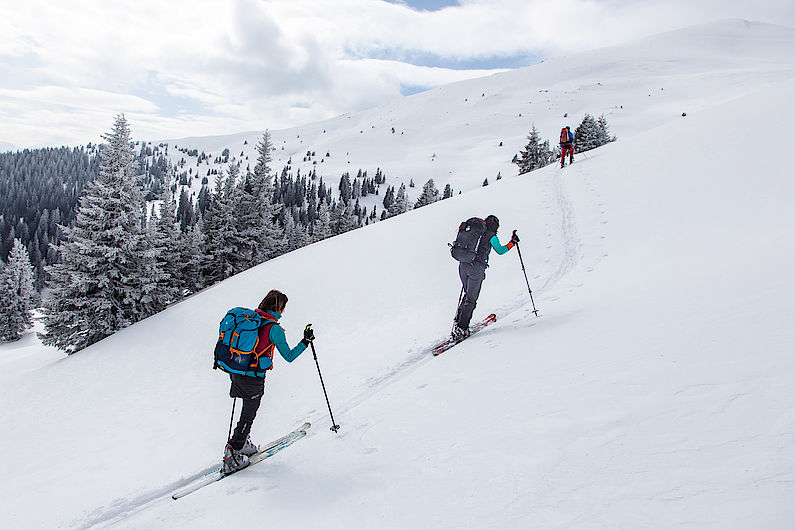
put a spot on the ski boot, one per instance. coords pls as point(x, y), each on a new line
point(249, 448)
point(233, 460)
point(460, 333)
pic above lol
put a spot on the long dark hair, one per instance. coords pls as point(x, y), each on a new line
point(273, 301)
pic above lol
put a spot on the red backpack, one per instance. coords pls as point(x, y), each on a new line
point(564, 136)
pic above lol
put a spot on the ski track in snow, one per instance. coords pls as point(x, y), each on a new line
point(124, 508)
point(568, 227)
point(570, 258)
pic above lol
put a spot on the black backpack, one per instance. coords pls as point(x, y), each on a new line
point(464, 249)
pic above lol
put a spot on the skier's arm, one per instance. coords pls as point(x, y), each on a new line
point(498, 247)
point(280, 341)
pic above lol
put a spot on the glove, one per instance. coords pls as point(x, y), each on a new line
point(514, 237)
point(309, 334)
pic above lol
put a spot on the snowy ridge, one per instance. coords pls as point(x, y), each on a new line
point(655, 390)
point(638, 86)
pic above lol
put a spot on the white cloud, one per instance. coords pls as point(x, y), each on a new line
point(182, 67)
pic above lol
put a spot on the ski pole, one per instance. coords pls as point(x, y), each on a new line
point(232, 418)
point(334, 426)
point(535, 311)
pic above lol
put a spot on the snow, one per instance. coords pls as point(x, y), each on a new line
point(637, 86)
point(655, 390)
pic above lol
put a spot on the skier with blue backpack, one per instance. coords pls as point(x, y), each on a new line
point(247, 340)
point(474, 242)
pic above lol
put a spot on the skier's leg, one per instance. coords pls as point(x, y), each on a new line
point(474, 281)
point(247, 415)
point(462, 275)
point(250, 390)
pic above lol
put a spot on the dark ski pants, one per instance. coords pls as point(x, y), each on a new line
point(472, 276)
point(250, 390)
point(564, 151)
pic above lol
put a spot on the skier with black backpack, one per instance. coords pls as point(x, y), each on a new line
point(475, 240)
point(245, 351)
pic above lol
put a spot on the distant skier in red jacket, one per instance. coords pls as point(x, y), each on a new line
point(566, 145)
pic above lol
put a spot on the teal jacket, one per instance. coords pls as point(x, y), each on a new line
point(276, 336)
point(498, 247)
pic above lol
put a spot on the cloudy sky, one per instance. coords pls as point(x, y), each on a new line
point(209, 67)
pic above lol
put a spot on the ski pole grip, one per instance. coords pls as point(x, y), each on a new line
point(309, 336)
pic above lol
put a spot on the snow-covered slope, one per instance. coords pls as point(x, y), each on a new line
point(453, 133)
point(655, 390)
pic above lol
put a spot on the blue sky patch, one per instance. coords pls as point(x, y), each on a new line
point(425, 5)
point(170, 105)
point(487, 62)
point(407, 90)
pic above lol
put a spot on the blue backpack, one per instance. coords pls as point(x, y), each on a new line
point(238, 337)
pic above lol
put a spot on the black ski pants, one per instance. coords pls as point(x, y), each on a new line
point(472, 276)
point(250, 390)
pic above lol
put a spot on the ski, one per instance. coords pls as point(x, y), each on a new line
point(450, 342)
point(264, 452)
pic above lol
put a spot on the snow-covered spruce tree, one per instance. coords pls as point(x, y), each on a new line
point(294, 236)
point(389, 197)
point(264, 158)
point(448, 192)
point(193, 258)
point(401, 203)
point(342, 218)
point(256, 212)
point(356, 192)
point(604, 131)
point(245, 221)
point(220, 231)
point(430, 194)
point(588, 135)
point(345, 188)
point(18, 295)
point(10, 327)
point(102, 282)
point(5, 296)
point(536, 153)
point(321, 229)
point(153, 274)
point(166, 245)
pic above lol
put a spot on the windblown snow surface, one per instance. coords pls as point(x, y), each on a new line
point(655, 390)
